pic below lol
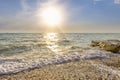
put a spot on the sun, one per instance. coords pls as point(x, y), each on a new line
point(51, 16)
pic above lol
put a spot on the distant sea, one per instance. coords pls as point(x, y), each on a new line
point(23, 51)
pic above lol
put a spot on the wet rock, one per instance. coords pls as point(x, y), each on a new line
point(108, 45)
point(94, 43)
point(75, 47)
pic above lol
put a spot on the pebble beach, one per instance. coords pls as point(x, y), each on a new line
point(96, 69)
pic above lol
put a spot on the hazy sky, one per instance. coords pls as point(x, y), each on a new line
point(79, 15)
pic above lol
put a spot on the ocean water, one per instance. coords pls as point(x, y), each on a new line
point(23, 51)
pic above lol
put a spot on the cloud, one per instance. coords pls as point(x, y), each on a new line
point(24, 4)
point(26, 18)
point(114, 1)
point(117, 1)
point(97, 0)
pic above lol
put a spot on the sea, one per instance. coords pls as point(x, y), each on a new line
point(25, 51)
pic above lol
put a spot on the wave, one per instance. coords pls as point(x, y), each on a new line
point(13, 49)
point(19, 52)
point(14, 65)
point(64, 42)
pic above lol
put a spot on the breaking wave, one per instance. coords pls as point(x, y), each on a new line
point(16, 64)
point(22, 51)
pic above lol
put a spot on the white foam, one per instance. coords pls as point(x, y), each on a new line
point(14, 65)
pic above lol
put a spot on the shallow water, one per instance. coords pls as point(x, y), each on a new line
point(21, 51)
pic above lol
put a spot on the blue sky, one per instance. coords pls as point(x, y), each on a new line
point(81, 15)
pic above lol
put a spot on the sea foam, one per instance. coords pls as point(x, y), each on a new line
point(14, 65)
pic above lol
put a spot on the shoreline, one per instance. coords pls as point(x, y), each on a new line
point(79, 69)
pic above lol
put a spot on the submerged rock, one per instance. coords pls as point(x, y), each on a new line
point(108, 45)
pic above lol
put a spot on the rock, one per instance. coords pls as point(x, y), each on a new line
point(94, 43)
point(109, 45)
point(75, 47)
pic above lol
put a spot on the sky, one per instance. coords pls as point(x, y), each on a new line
point(80, 16)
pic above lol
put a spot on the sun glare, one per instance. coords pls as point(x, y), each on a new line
point(51, 16)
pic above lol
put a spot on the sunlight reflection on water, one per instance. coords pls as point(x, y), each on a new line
point(51, 41)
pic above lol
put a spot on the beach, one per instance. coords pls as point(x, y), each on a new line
point(59, 39)
point(96, 69)
point(59, 56)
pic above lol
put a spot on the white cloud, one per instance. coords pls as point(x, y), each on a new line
point(114, 1)
point(117, 1)
point(24, 5)
point(97, 0)
point(25, 19)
